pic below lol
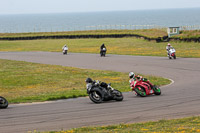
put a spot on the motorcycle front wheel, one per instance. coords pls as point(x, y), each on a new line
point(3, 103)
point(104, 54)
point(96, 97)
point(174, 56)
point(117, 95)
point(157, 90)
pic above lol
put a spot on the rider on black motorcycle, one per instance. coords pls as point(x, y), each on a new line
point(102, 48)
point(89, 81)
point(101, 91)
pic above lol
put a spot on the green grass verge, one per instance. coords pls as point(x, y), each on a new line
point(123, 46)
point(30, 82)
point(185, 125)
point(188, 34)
point(151, 33)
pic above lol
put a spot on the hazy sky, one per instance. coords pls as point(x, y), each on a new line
point(55, 6)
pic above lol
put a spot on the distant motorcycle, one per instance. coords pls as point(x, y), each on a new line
point(143, 88)
point(103, 52)
point(172, 53)
point(3, 103)
point(100, 91)
point(65, 49)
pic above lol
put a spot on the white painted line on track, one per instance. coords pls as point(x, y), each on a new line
point(172, 81)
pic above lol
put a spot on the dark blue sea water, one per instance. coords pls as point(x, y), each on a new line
point(99, 20)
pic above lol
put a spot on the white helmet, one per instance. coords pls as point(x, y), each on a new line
point(131, 75)
point(168, 44)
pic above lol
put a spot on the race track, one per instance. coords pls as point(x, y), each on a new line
point(180, 99)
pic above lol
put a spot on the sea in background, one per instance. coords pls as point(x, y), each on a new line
point(138, 19)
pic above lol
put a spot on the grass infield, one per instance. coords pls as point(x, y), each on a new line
point(31, 82)
point(122, 46)
point(151, 33)
point(184, 125)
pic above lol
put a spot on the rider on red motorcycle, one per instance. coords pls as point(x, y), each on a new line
point(142, 86)
point(134, 77)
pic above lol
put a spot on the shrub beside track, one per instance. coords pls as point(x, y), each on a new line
point(158, 35)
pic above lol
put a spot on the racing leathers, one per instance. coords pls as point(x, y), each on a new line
point(168, 47)
point(138, 77)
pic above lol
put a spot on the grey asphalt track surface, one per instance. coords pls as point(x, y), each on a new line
point(180, 99)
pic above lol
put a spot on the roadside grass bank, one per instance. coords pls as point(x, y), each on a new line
point(185, 125)
point(31, 82)
point(158, 35)
point(122, 46)
point(189, 34)
point(151, 33)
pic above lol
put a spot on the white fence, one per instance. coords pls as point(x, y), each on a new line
point(16, 29)
point(39, 28)
point(116, 27)
point(193, 27)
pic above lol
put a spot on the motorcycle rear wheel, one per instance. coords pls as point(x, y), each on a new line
point(141, 92)
point(96, 97)
point(3, 103)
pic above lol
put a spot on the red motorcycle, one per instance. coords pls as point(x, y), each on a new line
point(143, 87)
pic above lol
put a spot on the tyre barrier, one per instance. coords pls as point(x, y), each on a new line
point(72, 37)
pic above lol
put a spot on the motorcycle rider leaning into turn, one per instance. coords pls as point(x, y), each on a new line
point(89, 81)
point(168, 47)
point(134, 77)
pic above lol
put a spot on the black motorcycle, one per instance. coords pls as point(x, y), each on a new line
point(3, 103)
point(65, 52)
point(103, 52)
point(100, 91)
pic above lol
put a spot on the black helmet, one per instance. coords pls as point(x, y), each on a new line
point(88, 80)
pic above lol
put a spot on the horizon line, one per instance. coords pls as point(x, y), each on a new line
point(97, 11)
